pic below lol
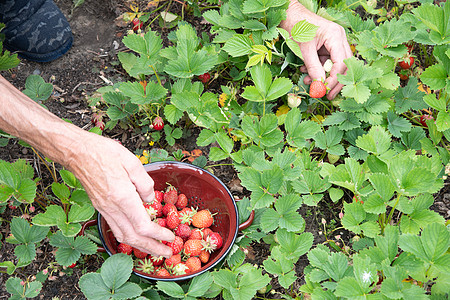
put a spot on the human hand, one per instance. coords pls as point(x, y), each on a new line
point(330, 42)
point(117, 183)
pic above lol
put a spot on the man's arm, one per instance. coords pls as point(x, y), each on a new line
point(112, 176)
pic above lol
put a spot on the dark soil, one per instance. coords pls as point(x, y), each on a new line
point(90, 64)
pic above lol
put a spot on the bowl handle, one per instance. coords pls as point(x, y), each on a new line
point(247, 223)
point(89, 224)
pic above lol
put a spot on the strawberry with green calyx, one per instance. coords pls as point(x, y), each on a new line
point(317, 89)
point(173, 220)
point(125, 248)
point(196, 234)
point(171, 195)
point(186, 215)
point(156, 260)
point(73, 265)
point(154, 209)
point(194, 264)
point(404, 74)
point(168, 208)
point(158, 123)
point(423, 119)
point(176, 245)
point(139, 254)
point(137, 24)
point(172, 261)
point(180, 269)
point(145, 265)
point(202, 219)
point(406, 62)
point(212, 242)
point(193, 247)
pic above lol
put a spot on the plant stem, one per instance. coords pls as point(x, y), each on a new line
point(392, 210)
point(48, 168)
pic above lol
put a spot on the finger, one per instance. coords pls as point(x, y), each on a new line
point(335, 91)
point(303, 69)
point(307, 80)
point(312, 62)
point(139, 177)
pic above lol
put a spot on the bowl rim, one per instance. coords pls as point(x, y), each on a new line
point(147, 168)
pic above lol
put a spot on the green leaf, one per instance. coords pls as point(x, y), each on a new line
point(79, 213)
point(52, 216)
point(171, 288)
point(430, 246)
point(61, 191)
point(388, 243)
point(365, 272)
point(37, 89)
point(435, 77)
point(200, 285)
point(264, 131)
point(93, 287)
point(238, 45)
point(70, 249)
point(285, 215)
point(70, 179)
point(8, 61)
point(25, 252)
point(30, 290)
point(383, 186)
point(303, 31)
point(443, 121)
point(435, 18)
point(349, 288)
point(116, 270)
point(25, 233)
point(129, 290)
point(397, 124)
point(376, 141)
point(293, 245)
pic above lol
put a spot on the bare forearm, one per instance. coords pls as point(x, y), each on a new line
point(23, 118)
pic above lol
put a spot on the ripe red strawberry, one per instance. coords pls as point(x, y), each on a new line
point(173, 220)
point(193, 247)
point(172, 261)
point(403, 75)
point(176, 245)
point(168, 208)
point(145, 265)
point(73, 265)
point(183, 231)
point(154, 209)
point(171, 196)
point(156, 260)
point(216, 239)
point(424, 118)
point(196, 234)
point(186, 215)
point(159, 196)
point(204, 77)
point(161, 222)
point(206, 232)
point(182, 201)
point(139, 254)
point(124, 248)
point(317, 89)
point(158, 123)
point(194, 264)
point(204, 256)
point(202, 219)
point(180, 269)
point(406, 63)
point(137, 24)
point(161, 272)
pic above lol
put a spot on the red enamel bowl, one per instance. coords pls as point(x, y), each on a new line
point(203, 190)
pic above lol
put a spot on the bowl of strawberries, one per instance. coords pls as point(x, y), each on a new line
point(199, 209)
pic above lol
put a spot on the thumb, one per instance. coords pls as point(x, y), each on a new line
point(312, 61)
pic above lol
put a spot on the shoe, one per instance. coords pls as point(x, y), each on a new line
point(36, 30)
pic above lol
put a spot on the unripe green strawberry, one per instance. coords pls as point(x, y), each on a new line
point(317, 89)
